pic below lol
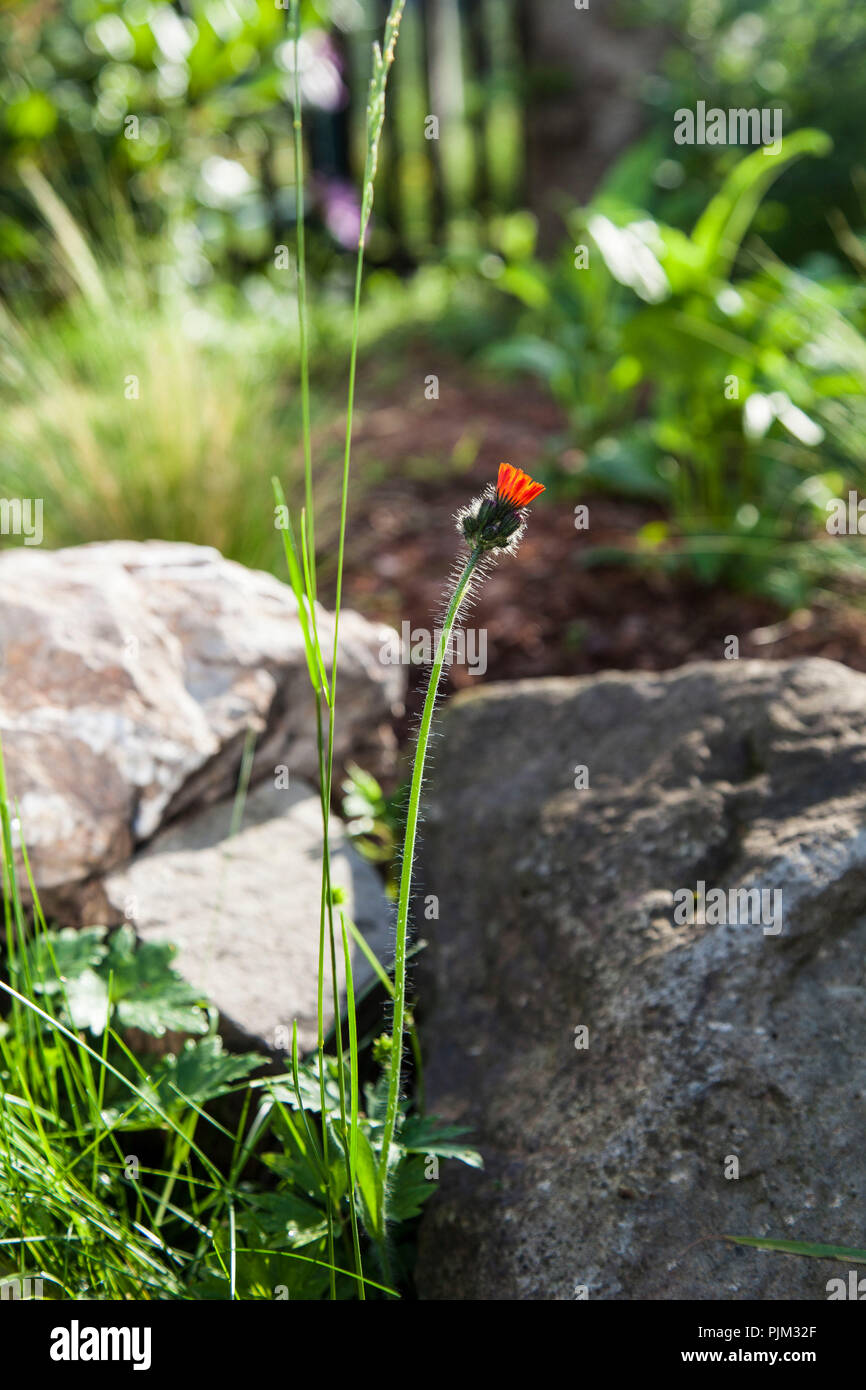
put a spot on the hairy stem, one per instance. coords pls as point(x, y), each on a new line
point(460, 591)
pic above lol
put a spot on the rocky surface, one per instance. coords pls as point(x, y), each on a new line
point(130, 674)
point(243, 909)
point(712, 1047)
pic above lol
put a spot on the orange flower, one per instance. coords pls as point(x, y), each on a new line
point(515, 486)
point(496, 520)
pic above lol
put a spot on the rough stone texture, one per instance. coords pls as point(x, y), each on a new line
point(605, 1166)
point(243, 910)
point(129, 675)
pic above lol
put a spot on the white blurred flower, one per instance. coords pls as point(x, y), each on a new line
point(629, 257)
point(758, 415)
point(174, 36)
point(224, 181)
point(796, 422)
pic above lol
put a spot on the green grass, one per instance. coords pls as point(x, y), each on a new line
point(142, 406)
point(130, 1175)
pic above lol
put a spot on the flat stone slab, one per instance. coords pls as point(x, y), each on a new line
point(243, 910)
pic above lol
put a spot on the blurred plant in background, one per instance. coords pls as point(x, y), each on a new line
point(718, 382)
point(155, 143)
point(186, 107)
point(141, 407)
point(802, 56)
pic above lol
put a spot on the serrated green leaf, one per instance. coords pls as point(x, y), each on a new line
point(427, 1135)
point(289, 1217)
point(201, 1072)
point(174, 1006)
point(58, 956)
point(409, 1189)
point(147, 992)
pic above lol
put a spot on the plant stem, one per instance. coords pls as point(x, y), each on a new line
point(460, 591)
point(297, 126)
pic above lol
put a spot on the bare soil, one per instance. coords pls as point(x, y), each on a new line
point(546, 611)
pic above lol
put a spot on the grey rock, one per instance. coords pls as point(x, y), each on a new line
point(605, 1164)
point(243, 910)
point(130, 674)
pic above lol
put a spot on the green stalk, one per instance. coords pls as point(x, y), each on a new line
point(309, 550)
point(382, 60)
point(303, 345)
point(352, 1141)
point(457, 598)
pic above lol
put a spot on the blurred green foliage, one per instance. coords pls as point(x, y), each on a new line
point(705, 376)
point(166, 131)
point(805, 57)
point(186, 109)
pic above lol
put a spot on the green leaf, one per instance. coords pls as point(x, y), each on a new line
point(61, 956)
point(289, 1217)
point(148, 993)
point(175, 1006)
point(308, 1087)
point(529, 354)
point(726, 219)
point(527, 284)
point(409, 1189)
point(304, 604)
point(628, 464)
point(201, 1072)
point(365, 1174)
point(429, 1135)
point(803, 1247)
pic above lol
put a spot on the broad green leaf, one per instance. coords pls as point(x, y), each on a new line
point(64, 955)
point(526, 284)
point(409, 1189)
point(290, 1217)
point(723, 224)
point(428, 1135)
point(147, 992)
point(173, 1006)
point(529, 354)
point(201, 1071)
point(628, 464)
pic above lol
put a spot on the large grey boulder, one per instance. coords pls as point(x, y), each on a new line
point(130, 674)
point(712, 1048)
point(241, 903)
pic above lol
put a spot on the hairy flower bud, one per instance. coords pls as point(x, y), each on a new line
point(496, 519)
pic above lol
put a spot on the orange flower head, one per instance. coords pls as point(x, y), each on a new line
point(515, 486)
point(496, 519)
